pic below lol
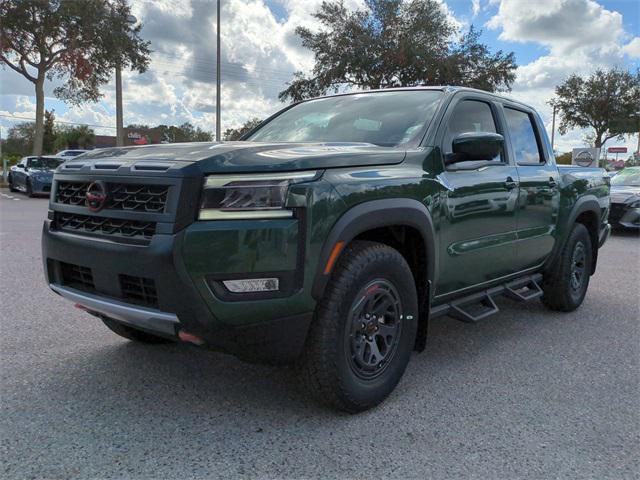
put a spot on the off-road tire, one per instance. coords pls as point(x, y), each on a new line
point(326, 367)
point(562, 292)
point(134, 334)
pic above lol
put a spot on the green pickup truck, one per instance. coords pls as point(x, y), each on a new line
point(331, 235)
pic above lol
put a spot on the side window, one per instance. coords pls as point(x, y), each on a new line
point(469, 116)
point(523, 136)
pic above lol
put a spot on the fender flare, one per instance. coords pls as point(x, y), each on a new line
point(588, 203)
point(376, 214)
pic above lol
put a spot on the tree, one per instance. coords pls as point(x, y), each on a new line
point(74, 137)
point(184, 133)
point(79, 42)
point(236, 133)
point(49, 136)
point(604, 102)
point(19, 139)
point(564, 159)
point(395, 43)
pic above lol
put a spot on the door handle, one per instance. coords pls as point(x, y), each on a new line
point(552, 182)
point(510, 183)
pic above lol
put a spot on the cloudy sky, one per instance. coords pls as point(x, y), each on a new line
point(260, 51)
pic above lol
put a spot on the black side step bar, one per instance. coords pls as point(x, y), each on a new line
point(480, 305)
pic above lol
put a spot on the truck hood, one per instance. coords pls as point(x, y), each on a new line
point(236, 157)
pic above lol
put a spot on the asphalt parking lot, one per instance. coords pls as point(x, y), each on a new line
point(525, 394)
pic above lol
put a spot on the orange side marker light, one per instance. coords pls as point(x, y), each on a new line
point(335, 253)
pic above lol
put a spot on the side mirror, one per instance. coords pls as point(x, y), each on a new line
point(21, 167)
point(472, 146)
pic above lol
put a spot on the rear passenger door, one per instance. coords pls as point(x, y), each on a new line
point(538, 201)
point(477, 221)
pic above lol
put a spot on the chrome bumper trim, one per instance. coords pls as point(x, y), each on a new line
point(141, 317)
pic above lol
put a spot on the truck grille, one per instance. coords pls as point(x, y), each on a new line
point(105, 226)
point(122, 196)
point(141, 291)
point(77, 276)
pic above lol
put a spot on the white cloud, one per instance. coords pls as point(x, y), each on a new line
point(475, 7)
point(260, 52)
point(580, 35)
point(632, 48)
point(561, 25)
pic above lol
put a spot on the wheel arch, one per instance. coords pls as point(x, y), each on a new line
point(395, 222)
point(586, 211)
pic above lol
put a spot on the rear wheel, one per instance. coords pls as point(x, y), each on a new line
point(363, 331)
point(29, 189)
point(131, 333)
point(565, 285)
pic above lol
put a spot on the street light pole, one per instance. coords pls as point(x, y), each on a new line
point(553, 128)
point(218, 129)
point(637, 117)
point(119, 127)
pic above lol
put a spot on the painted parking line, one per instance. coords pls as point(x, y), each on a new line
point(11, 197)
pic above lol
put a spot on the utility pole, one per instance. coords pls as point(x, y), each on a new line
point(636, 115)
point(218, 129)
point(119, 127)
point(553, 128)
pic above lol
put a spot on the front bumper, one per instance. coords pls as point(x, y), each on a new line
point(151, 320)
point(41, 186)
point(623, 216)
point(183, 269)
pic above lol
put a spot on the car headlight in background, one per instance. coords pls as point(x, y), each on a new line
point(260, 195)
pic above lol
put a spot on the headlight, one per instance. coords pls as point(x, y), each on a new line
point(229, 197)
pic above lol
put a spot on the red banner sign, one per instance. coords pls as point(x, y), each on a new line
point(617, 149)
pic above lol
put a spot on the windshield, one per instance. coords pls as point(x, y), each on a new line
point(380, 118)
point(44, 163)
point(628, 176)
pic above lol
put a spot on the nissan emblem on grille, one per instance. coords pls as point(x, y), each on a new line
point(96, 196)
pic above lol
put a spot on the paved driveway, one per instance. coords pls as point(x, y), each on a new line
point(525, 394)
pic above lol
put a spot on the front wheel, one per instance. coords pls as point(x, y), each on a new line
point(29, 189)
point(565, 284)
point(11, 187)
point(364, 329)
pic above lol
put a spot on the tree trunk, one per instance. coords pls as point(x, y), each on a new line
point(38, 137)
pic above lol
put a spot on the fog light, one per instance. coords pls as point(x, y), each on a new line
point(252, 285)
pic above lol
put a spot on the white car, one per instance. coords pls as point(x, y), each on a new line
point(70, 153)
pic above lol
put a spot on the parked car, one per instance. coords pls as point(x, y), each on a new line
point(70, 153)
point(331, 235)
point(625, 199)
point(33, 175)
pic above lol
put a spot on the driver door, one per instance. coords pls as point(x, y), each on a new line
point(478, 223)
